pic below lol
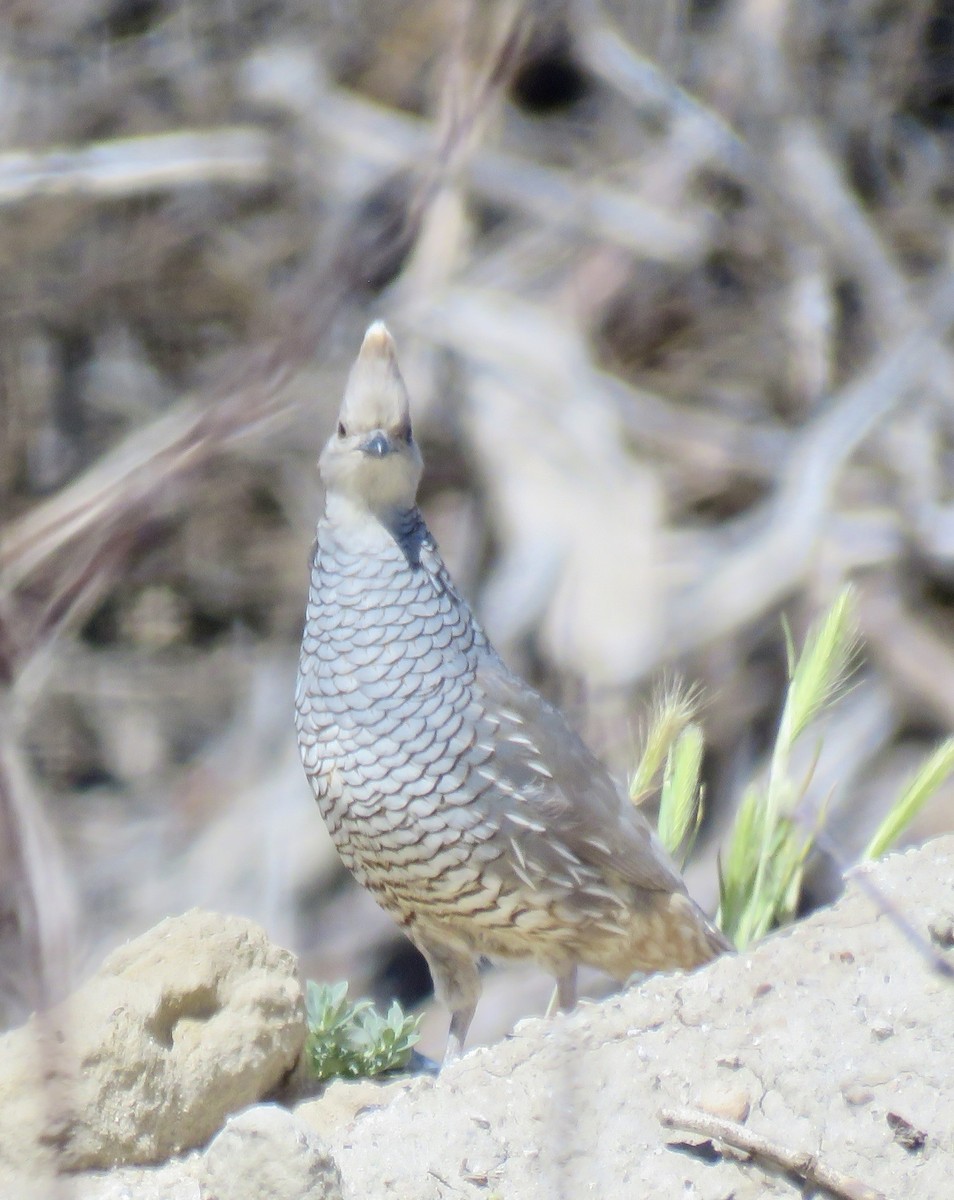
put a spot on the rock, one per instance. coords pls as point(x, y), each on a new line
point(344, 1100)
point(170, 1182)
point(194, 1020)
point(267, 1152)
point(263, 1153)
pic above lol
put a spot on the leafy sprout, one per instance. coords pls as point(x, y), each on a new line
point(353, 1041)
point(761, 868)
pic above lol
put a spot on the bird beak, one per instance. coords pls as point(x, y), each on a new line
point(378, 444)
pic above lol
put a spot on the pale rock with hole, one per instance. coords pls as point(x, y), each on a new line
point(196, 1019)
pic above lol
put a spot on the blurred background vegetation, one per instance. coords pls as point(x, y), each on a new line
point(672, 288)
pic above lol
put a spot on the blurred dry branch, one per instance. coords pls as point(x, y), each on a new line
point(135, 166)
point(673, 284)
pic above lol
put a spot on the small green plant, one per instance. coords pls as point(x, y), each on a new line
point(761, 870)
point(925, 782)
point(674, 706)
point(674, 742)
point(761, 874)
point(353, 1041)
point(680, 801)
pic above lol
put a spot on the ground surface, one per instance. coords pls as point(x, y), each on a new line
point(818, 1035)
point(833, 1040)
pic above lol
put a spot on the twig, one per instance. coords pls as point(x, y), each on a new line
point(917, 657)
point(591, 208)
point(34, 876)
point(139, 165)
point(714, 442)
point(114, 494)
point(815, 184)
point(648, 86)
point(388, 139)
point(806, 187)
point(772, 559)
point(807, 1166)
point(486, 325)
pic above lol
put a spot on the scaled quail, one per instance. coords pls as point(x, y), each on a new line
point(458, 796)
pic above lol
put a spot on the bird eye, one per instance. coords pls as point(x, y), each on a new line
point(342, 432)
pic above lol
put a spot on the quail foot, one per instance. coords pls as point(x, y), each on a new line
point(454, 792)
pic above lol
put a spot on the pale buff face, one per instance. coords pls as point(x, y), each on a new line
point(372, 459)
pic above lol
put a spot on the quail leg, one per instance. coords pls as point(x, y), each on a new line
point(564, 994)
point(457, 986)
